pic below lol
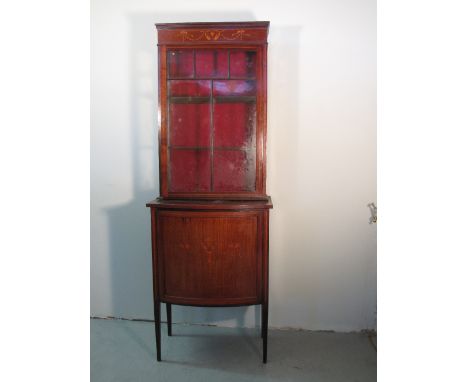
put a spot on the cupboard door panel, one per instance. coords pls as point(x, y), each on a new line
point(209, 256)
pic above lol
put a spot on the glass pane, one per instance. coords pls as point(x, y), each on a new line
point(234, 170)
point(234, 87)
point(190, 170)
point(211, 63)
point(180, 63)
point(189, 124)
point(180, 88)
point(242, 63)
point(234, 124)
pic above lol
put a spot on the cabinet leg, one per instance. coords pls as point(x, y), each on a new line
point(265, 331)
point(157, 327)
point(169, 318)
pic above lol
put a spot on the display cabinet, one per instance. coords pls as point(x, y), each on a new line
point(210, 224)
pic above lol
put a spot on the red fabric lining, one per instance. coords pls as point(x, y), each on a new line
point(190, 170)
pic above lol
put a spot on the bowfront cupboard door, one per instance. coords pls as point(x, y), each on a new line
point(212, 104)
point(210, 258)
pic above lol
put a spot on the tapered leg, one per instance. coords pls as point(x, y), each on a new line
point(265, 330)
point(169, 318)
point(157, 327)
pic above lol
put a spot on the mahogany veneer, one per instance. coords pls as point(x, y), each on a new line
point(210, 225)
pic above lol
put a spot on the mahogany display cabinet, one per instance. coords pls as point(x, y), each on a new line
point(210, 224)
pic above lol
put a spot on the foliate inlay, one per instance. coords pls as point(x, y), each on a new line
point(214, 35)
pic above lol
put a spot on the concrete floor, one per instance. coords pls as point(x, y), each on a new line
point(125, 351)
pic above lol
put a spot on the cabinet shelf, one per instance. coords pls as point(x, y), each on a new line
point(217, 99)
point(211, 78)
point(234, 99)
point(189, 99)
point(214, 148)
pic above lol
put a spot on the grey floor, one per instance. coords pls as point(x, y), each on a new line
point(125, 351)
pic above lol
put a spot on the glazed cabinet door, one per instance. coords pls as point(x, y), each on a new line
point(212, 132)
point(210, 258)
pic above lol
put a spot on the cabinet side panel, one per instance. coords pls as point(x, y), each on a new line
point(154, 255)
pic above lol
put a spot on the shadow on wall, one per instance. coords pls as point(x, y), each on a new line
point(283, 174)
point(129, 224)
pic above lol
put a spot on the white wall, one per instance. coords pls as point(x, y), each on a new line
point(321, 153)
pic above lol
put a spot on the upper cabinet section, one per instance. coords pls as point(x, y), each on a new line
point(212, 99)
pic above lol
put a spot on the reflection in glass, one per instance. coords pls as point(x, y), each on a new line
point(234, 87)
